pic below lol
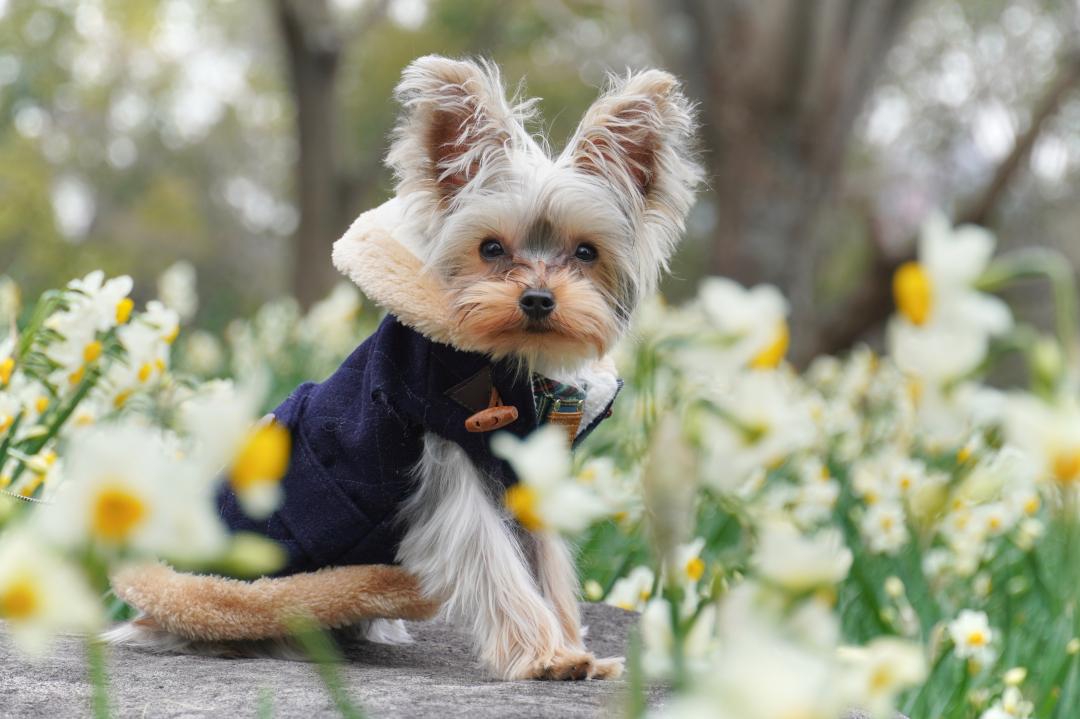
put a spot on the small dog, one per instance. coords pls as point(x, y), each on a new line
point(508, 275)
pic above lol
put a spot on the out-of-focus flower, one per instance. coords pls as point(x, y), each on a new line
point(42, 595)
point(884, 528)
point(1049, 434)
point(1011, 705)
point(104, 303)
point(762, 420)
point(258, 468)
point(658, 639)
point(203, 353)
point(330, 324)
point(943, 325)
point(546, 496)
point(798, 563)
point(632, 591)
point(972, 636)
point(751, 321)
point(881, 670)
point(177, 289)
point(124, 494)
point(9, 302)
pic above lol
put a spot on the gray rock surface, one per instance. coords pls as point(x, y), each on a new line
point(434, 677)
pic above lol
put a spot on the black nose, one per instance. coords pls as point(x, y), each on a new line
point(537, 304)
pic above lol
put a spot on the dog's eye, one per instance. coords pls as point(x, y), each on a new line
point(491, 248)
point(585, 252)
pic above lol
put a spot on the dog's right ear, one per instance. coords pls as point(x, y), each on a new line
point(456, 126)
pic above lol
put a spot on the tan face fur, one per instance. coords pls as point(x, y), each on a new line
point(544, 257)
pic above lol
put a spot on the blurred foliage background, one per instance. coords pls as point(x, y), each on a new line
point(244, 135)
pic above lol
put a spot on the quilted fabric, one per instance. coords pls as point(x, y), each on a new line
point(357, 435)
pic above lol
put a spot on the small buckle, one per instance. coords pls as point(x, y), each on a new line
point(575, 404)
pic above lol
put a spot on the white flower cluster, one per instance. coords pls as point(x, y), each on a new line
point(112, 458)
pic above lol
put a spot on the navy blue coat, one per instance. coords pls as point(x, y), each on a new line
point(357, 435)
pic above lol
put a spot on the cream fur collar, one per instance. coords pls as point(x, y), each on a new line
point(374, 253)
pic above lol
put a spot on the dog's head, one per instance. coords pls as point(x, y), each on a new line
point(544, 257)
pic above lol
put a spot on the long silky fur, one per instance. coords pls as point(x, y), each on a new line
point(464, 551)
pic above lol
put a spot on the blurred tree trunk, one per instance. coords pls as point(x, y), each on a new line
point(781, 83)
point(314, 41)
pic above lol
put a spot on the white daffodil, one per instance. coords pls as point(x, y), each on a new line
point(879, 671)
point(1049, 434)
point(658, 639)
point(619, 491)
point(221, 421)
point(752, 321)
point(761, 670)
point(972, 636)
point(78, 348)
point(943, 325)
point(42, 595)
point(166, 321)
point(176, 288)
point(546, 495)
point(7, 359)
point(146, 358)
point(632, 591)
point(884, 527)
point(788, 559)
point(105, 303)
point(330, 324)
point(763, 419)
point(125, 494)
point(10, 301)
point(1011, 705)
point(10, 409)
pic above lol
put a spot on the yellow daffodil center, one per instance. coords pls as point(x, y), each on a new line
point(20, 600)
point(522, 503)
point(145, 371)
point(1066, 465)
point(881, 680)
point(976, 638)
point(773, 354)
point(963, 455)
point(6, 420)
point(117, 511)
point(123, 310)
point(121, 399)
point(92, 351)
point(76, 376)
point(913, 292)
point(264, 457)
point(7, 366)
point(1031, 506)
point(695, 568)
point(172, 335)
point(41, 404)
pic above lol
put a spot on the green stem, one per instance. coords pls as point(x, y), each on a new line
point(322, 651)
point(99, 682)
point(1046, 263)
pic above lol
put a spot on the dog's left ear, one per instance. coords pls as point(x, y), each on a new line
point(639, 137)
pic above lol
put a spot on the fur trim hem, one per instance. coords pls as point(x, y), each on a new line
point(212, 608)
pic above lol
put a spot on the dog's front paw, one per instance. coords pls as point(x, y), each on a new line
point(575, 664)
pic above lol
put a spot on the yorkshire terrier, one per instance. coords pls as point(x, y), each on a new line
point(508, 275)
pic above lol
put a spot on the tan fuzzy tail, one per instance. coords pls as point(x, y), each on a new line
point(212, 608)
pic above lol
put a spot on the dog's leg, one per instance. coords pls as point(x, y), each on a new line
point(463, 549)
point(558, 580)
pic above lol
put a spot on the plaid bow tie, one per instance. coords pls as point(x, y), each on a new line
point(558, 403)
